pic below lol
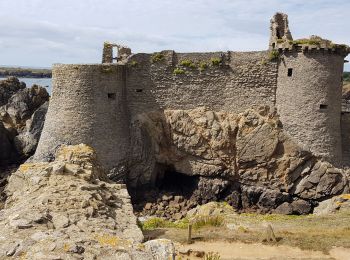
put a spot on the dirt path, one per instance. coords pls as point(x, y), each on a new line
point(242, 251)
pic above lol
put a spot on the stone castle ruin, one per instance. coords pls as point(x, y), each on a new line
point(119, 106)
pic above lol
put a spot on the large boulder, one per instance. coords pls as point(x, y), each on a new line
point(67, 209)
point(224, 149)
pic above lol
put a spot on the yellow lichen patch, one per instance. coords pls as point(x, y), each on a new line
point(113, 241)
point(66, 247)
point(32, 166)
point(141, 246)
point(23, 256)
point(75, 149)
point(108, 240)
point(76, 153)
point(345, 196)
point(338, 203)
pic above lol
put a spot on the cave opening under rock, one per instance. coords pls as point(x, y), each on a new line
point(169, 180)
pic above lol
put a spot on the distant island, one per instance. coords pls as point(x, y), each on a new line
point(25, 72)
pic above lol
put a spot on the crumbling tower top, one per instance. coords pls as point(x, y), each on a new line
point(279, 30)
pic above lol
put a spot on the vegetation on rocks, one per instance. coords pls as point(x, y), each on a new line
point(274, 55)
point(188, 64)
point(178, 71)
point(156, 57)
point(216, 61)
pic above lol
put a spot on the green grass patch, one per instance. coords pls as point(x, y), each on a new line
point(216, 61)
point(274, 55)
point(133, 63)
point(178, 71)
point(197, 223)
point(203, 66)
point(270, 217)
point(157, 57)
point(188, 64)
point(212, 256)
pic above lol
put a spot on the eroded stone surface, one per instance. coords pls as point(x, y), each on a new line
point(66, 209)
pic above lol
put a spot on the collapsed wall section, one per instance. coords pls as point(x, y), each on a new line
point(87, 106)
point(220, 81)
point(309, 100)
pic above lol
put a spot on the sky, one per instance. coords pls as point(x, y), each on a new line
point(42, 32)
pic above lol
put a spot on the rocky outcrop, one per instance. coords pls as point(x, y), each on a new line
point(67, 209)
point(22, 114)
point(246, 159)
point(27, 141)
point(8, 153)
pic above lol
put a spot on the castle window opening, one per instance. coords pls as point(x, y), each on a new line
point(112, 96)
point(290, 72)
point(322, 106)
point(138, 90)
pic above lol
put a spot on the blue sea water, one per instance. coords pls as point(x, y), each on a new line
point(44, 82)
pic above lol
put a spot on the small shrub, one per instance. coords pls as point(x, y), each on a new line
point(216, 61)
point(133, 63)
point(178, 71)
point(274, 55)
point(188, 63)
point(203, 66)
point(212, 256)
point(280, 40)
point(157, 57)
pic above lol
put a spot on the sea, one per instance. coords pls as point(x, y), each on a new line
point(44, 82)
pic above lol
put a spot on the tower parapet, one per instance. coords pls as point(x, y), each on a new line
point(308, 97)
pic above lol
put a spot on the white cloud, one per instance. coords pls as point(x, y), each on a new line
point(41, 32)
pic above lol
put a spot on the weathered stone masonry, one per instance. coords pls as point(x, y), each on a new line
point(96, 104)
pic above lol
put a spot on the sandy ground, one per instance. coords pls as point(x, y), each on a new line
point(242, 251)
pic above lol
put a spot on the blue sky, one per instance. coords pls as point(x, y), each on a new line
point(42, 32)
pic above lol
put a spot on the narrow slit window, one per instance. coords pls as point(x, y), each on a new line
point(323, 106)
point(112, 96)
point(290, 72)
point(139, 90)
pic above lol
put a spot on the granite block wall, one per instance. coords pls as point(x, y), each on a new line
point(241, 81)
point(309, 100)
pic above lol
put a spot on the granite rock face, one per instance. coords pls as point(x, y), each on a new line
point(249, 149)
point(66, 210)
point(8, 153)
point(22, 114)
point(9, 87)
point(27, 141)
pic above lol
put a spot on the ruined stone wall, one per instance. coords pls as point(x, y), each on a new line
point(345, 134)
point(87, 106)
point(242, 80)
point(309, 100)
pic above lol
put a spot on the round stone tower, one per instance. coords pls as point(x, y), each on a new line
point(87, 106)
point(308, 99)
